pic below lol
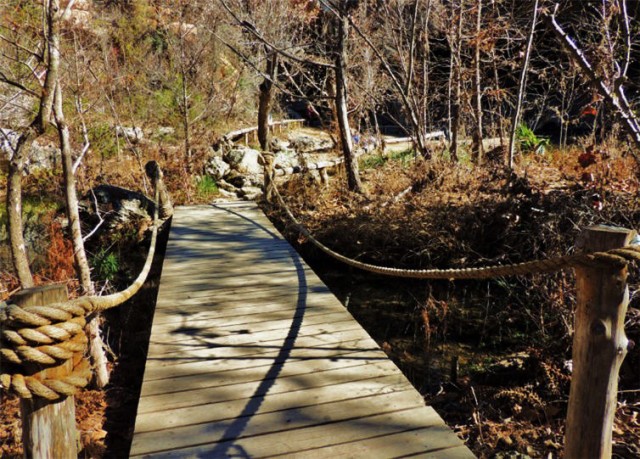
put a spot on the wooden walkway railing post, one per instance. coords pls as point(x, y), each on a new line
point(269, 175)
point(48, 428)
point(599, 347)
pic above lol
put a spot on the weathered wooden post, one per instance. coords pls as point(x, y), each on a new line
point(269, 175)
point(599, 347)
point(165, 206)
point(48, 428)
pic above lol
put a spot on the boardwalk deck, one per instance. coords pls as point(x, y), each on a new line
point(252, 356)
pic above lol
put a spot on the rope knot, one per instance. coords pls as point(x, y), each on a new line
point(34, 339)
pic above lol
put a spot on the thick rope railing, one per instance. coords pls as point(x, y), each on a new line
point(616, 258)
point(45, 336)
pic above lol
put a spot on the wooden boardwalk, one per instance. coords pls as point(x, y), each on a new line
point(252, 356)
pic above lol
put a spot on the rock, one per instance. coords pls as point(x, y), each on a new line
point(42, 157)
point(277, 145)
point(132, 134)
point(39, 157)
point(223, 185)
point(165, 131)
point(244, 160)
point(216, 167)
point(117, 206)
point(286, 158)
point(250, 193)
point(226, 194)
point(306, 143)
point(237, 180)
point(8, 141)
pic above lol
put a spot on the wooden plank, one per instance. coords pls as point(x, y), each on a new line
point(225, 338)
point(256, 321)
point(375, 394)
point(248, 316)
point(221, 428)
point(194, 397)
point(310, 439)
point(250, 370)
point(252, 355)
point(247, 357)
point(253, 324)
point(424, 443)
point(304, 348)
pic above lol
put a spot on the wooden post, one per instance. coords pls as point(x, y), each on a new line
point(48, 428)
point(269, 175)
point(165, 206)
point(599, 347)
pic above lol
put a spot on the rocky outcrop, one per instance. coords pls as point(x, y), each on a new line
point(133, 134)
point(40, 156)
point(305, 143)
point(239, 169)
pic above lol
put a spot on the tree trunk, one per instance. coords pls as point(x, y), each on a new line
point(523, 78)
point(96, 346)
point(478, 150)
point(186, 124)
point(455, 108)
point(350, 160)
point(266, 95)
point(14, 210)
point(48, 428)
point(16, 165)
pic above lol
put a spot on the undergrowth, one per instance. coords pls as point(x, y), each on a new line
point(494, 356)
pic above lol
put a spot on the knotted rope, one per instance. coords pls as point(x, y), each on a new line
point(38, 337)
point(616, 258)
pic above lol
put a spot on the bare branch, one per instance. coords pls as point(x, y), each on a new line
point(616, 97)
point(250, 28)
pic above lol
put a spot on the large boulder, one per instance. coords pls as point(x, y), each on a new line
point(244, 160)
point(216, 167)
point(117, 207)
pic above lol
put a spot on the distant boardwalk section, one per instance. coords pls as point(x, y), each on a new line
point(252, 356)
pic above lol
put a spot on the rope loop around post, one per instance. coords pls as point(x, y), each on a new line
point(35, 338)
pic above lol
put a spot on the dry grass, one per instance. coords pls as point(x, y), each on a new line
point(459, 216)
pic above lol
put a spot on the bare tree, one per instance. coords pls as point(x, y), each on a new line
point(340, 62)
point(37, 127)
point(608, 82)
point(521, 89)
point(456, 80)
point(266, 98)
point(292, 53)
point(477, 149)
point(406, 26)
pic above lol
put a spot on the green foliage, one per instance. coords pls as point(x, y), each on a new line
point(206, 187)
point(103, 139)
point(105, 265)
point(528, 141)
point(375, 161)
